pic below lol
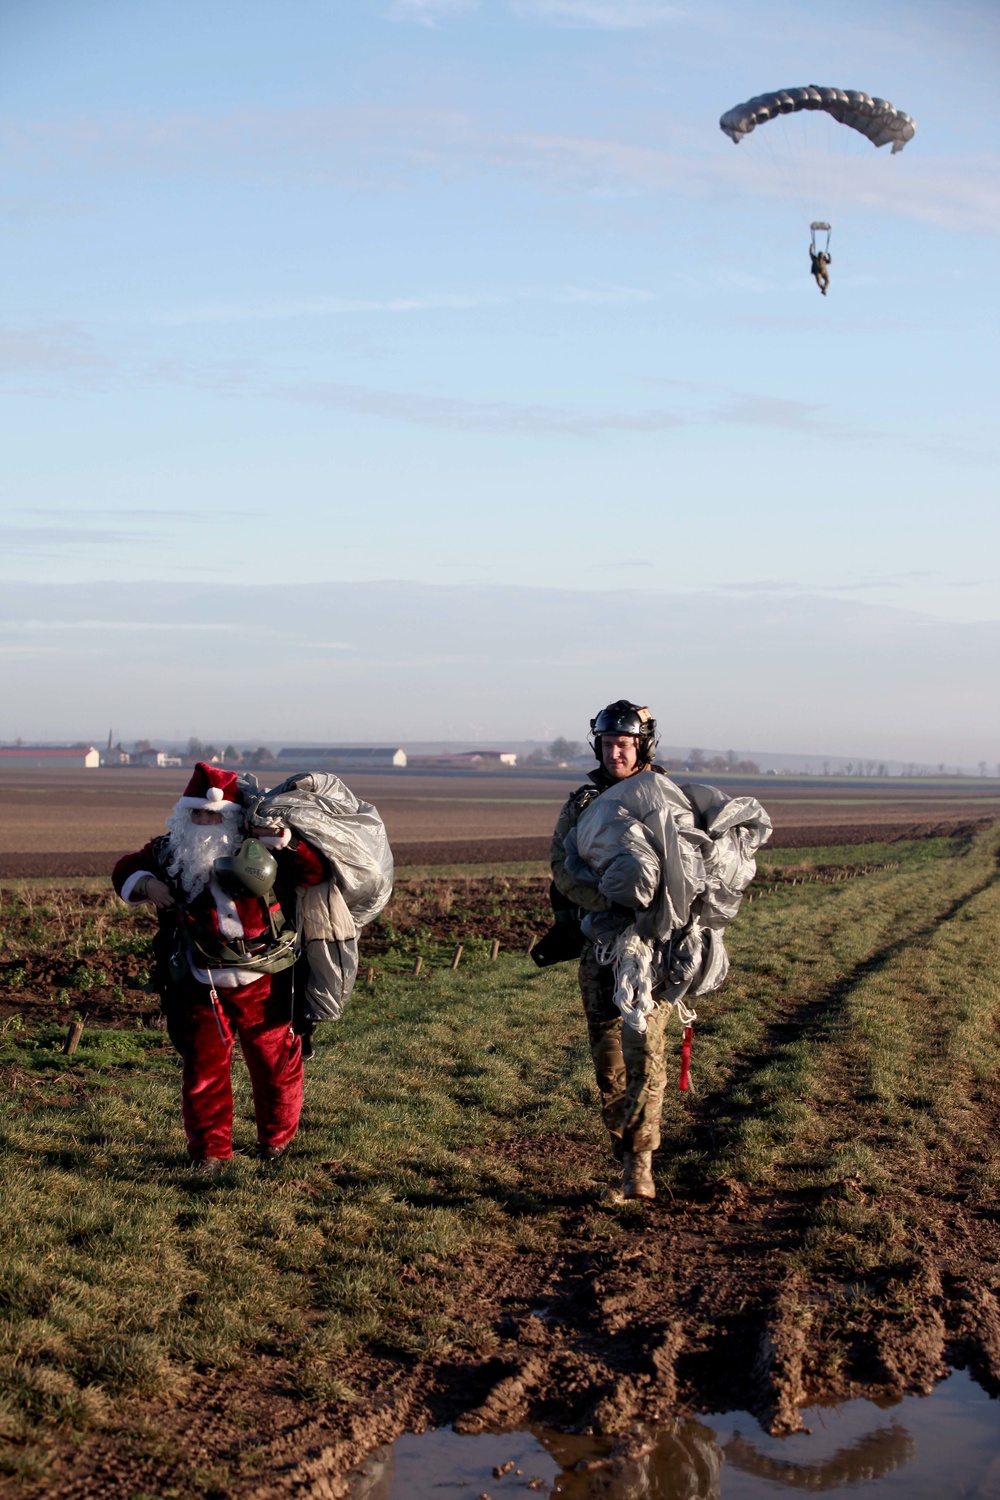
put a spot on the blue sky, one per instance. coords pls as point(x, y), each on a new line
point(478, 295)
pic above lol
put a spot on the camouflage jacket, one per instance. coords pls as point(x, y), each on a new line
point(586, 896)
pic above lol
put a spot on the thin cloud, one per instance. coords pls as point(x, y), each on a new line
point(30, 538)
point(429, 12)
point(47, 349)
point(607, 15)
point(461, 414)
point(160, 625)
point(430, 302)
point(372, 148)
point(138, 516)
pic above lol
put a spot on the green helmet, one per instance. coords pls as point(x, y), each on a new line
point(252, 869)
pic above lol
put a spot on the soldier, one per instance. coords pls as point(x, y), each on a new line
point(629, 1065)
point(820, 261)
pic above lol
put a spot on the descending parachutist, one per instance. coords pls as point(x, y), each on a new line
point(820, 261)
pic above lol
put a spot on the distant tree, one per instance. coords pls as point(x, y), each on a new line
point(717, 763)
point(941, 768)
point(696, 760)
point(195, 749)
point(18, 743)
point(260, 757)
point(537, 758)
point(141, 746)
point(849, 768)
point(982, 768)
point(826, 768)
point(882, 768)
point(231, 756)
point(564, 750)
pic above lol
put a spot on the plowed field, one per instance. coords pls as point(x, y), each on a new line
point(58, 824)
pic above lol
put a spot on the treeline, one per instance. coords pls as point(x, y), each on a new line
point(228, 756)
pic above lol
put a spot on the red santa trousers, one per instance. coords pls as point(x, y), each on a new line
point(204, 1034)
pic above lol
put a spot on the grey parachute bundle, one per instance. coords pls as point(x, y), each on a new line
point(880, 121)
point(675, 861)
point(320, 808)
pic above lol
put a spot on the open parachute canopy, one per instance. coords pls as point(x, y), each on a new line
point(879, 120)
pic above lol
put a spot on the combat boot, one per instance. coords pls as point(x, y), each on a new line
point(637, 1175)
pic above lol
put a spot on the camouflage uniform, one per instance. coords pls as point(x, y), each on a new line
point(630, 1068)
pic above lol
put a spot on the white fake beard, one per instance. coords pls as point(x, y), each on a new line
point(194, 847)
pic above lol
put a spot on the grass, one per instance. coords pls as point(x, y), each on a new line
point(846, 1055)
point(124, 1275)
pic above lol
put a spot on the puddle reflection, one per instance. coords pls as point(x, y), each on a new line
point(925, 1448)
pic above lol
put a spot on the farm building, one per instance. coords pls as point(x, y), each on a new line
point(464, 760)
point(50, 757)
point(155, 758)
point(488, 757)
point(342, 758)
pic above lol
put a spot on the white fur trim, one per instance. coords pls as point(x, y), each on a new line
point(217, 804)
point(131, 884)
point(224, 979)
point(276, 841)
point(230, 925)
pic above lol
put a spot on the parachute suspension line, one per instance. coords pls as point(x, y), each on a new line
point(818, 227)
point(631, 958)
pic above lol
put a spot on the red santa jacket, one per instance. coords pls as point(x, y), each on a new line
point(212, 913)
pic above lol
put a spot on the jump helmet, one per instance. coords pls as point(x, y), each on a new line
point(623, 717)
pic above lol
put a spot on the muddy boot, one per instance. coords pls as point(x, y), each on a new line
point(637, 1175)
point(207, 1168)
point(270, 1155)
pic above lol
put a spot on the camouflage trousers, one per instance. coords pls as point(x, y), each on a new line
point(630, 1067)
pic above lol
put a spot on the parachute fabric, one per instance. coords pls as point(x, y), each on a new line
point(675, 861)
point(320, 808)
point(875, 118)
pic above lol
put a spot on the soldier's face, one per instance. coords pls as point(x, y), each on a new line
point(205, 817)
point(620, 754)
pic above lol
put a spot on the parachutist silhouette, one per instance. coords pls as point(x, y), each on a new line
point(820, 260)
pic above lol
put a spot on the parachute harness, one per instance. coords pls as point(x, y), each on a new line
point(632, 960)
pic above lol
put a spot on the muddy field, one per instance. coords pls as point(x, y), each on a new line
point(67, 947)
point(828, 1220)
point(57, 824)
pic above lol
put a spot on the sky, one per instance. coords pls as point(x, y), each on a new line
point(472, 307)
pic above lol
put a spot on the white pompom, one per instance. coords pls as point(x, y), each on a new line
point(214, 794)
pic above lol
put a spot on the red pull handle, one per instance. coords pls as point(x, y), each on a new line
point(685, 1078)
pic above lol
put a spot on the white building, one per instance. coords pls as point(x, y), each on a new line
point(50, 757)
point(342, 758)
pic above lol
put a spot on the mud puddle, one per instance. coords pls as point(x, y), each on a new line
point(922, 1447)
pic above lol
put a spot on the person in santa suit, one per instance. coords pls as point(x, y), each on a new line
point(209, 996)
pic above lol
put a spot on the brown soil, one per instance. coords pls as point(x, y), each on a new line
point(80, 812)
point(682, 1310)
point(427, 916)
point(49, 866)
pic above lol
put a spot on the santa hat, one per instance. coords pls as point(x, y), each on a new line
point(212, 788)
